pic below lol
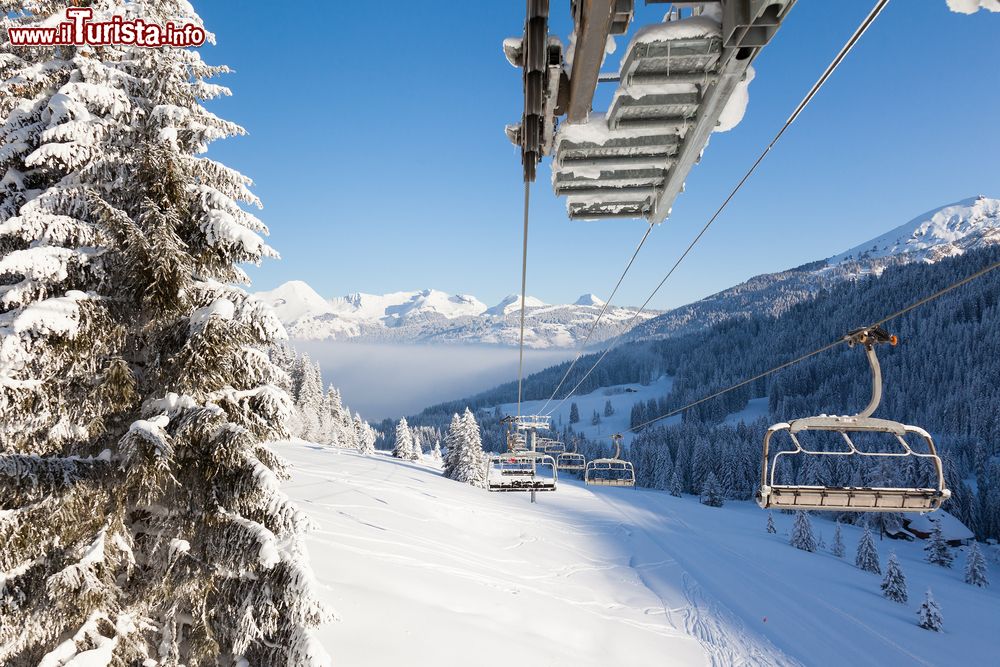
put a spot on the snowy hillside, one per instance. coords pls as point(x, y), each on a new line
point(435, 316)
point(945, 232)
point(426, 571)
point(621, 397)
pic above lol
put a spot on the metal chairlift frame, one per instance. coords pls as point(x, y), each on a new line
point(615, 465)
point(571, 461)
point(525, 461)
point(553, 447)
point(525, 476)
point(856, 499)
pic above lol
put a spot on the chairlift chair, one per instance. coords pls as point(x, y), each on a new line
point(516, 442)
point(610, 472)
point(521, 471)
point(858, 499)
point(571, 461)
point(532, 422)
point(552, 447)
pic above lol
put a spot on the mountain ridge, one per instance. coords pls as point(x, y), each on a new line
point(434, 316)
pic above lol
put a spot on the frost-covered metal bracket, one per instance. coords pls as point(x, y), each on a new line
point(674, 84)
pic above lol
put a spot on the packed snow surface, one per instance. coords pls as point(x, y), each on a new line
point(736, 107)
point(427, 571)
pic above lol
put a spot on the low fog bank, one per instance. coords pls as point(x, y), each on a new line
point(391, 380)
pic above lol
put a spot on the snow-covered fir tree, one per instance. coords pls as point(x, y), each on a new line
point(770, 524)
point(820, 542)
point(364, 436)
point(336, 423)
point(929, 615)
point(308, 400)
point(466, 461)
point(866, 557)
point(837, 549)
point(452, 443)
point(894, 582)
point(676, 484)
point(436, 452)
point(404, 448)
point(711, 492)
point(802, 533)
point(975, 568)
point(937, 549)
point(574, 413)
point(609, 410)
point(140, 512)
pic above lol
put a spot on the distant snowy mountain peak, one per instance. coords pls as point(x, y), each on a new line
point(433, 316)
point(293, 300)
point(943, 232)
point(589, 300)
point(512, 303)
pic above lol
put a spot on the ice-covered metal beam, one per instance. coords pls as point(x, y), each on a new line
point(592, 29)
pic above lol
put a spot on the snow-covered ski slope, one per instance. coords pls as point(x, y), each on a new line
point(426, 571)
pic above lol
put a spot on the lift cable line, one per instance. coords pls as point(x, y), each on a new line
point(825, 348)
point(524, 286)
point(862, 28)
point(600, 316)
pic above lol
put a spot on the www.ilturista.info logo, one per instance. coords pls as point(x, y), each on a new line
point(78, 29)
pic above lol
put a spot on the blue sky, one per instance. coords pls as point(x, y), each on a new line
point(376, 143)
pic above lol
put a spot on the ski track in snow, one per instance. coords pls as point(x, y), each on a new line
point(595, 577)
point(723, 636)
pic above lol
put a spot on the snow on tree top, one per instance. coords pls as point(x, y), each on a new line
point(973, 6)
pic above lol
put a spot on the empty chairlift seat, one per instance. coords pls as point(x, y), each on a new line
point(782, 495)
point(521, 471)
point(612, 471)
point(551, 447)
point(571, 462)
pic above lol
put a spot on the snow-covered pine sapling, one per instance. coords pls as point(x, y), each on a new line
point(472, 466)
point(867, 554)
point(574, 413)
point(711, 492)
point(894, 582)
point(452, 443)
point(364, 436)
point(802, 533)
point(937, 549)
point(770, 524)
point(676, 486)
point(404, 441)
point(820, 542)
point(837, 549)
point(609, 409)
point(929, 614)
point(975, 568)
point(144, 519)
point(436, 452)
point(465, 461)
